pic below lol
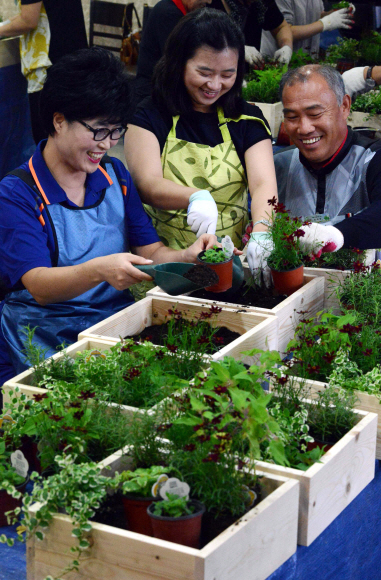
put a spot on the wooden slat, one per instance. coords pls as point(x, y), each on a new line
point(327, 487)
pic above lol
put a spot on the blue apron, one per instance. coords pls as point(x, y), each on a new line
point(82, 233)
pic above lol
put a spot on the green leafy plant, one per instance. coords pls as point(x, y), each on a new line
point(368, 103)
point(344, 259)
point(140, 481)
point(339, 5)
point(331, 415)
point(345, 49)
point(285, 233)
point(214, 255)
point(301, 58)
point(77, 489)
point(264, 86)
point(7, 472)
point(347, 375)
point(370, 48)
point(173, 507)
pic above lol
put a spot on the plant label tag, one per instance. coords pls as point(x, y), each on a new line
point(176, 487)
point(158, 485)
point(6, 419)
point(19, 463)
point(94, 354)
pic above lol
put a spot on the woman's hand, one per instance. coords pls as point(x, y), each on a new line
point(202, 214)
point(118, 270)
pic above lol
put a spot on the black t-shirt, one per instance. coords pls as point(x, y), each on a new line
point(163, 17)
point(203, 128)
point(253, 29)
point(67, 26)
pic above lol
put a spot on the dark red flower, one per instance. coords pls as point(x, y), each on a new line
point(281, 380)
point(159, 354)
point(272, 201)
point(312, 368)
point(218, 340)
point(39, 397)
point(190, 447)
point(219, 389)
point(367, 352)
point(172, 347)
point(358, 267)
point(56, 417)
point(215, 457)
point(78, 415)
point(215, 309)
point(174, 312)
point(205, 315)
point(203, 340)
point(299, 233)
point(86, 395)
point(329, 357)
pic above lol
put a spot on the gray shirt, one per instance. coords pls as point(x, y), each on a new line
point(297, 13)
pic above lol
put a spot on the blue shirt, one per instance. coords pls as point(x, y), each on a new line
point(26, 236)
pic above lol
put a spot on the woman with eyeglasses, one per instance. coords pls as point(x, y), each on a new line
point(72, 226)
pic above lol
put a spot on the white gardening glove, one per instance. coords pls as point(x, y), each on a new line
point(258, 250)
point(354, 82)
point(202, 213)
point(338, 19)
point(253, 56)
point(319, 239)
point(283, 55)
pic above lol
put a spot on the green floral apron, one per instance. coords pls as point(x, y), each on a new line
point(217, 169)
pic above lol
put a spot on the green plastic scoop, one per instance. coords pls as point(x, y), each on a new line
point(170, 276)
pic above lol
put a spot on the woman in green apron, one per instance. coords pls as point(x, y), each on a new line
point(196, 147)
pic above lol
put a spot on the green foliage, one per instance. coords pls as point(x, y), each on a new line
point(347, 375)
point(285, 234)
point(173, 507)
point(7, 472)
point(343, 259)
point(214, 255)
point(301, 58)
point(77, 490)
point(140, 481)
point(346, 49)
point(264, 86)
point(370, 48)
point(331, 415)
point(339, 5)
point(368, 102)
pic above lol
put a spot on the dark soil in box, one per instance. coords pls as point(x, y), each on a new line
point(255, 296)
point(158, 334)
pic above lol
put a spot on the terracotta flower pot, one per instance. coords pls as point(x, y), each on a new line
point(224, 271)
point(8, 503)
point(135, 509)
point(288, 281)
point(185, 530)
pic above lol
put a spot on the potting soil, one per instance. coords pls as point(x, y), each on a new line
point(158, 334)
point(261, 297)
point(202, 275)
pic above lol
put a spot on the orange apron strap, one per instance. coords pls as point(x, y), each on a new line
point(34, 174)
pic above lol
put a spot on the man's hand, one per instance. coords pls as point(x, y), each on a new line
point(252, 56)
point(258, 250)
point(338, 19)
point(319, 239)
point(284, 54)
point(118, 270)
point(202, 213)
point(355, 83)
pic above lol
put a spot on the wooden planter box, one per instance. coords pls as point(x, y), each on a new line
point(273, 114)
point(26, 383)
point(310, 297)
point(257, 330)
point(365, 402)
point(332, 279)
point(249, 550)
point(327, 487)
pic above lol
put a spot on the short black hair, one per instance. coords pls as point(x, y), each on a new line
point(205, 27)
point(86, 84)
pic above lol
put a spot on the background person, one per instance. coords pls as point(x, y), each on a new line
point(361, 79)
point(163, 18)
point(72, 225)
point(194, 149)
point(307, 19)
point(254, 16)
point(50, 30)
point(333, 171)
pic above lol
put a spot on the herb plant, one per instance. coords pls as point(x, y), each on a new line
point(140, 481)
point(345, 49)
point(339, 5)
point(173, 507)
point(264, 86)
point(214, 255)
point(368, 103)
point(344, 259)
point(370, 48)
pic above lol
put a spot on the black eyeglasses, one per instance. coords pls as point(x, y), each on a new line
point(101, 134)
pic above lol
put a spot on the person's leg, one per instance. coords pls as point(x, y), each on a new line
point(37, 129)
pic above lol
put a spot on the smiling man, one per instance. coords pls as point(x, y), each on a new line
point(333, 173)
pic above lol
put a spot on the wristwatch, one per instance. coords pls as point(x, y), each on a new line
point(369, 81)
